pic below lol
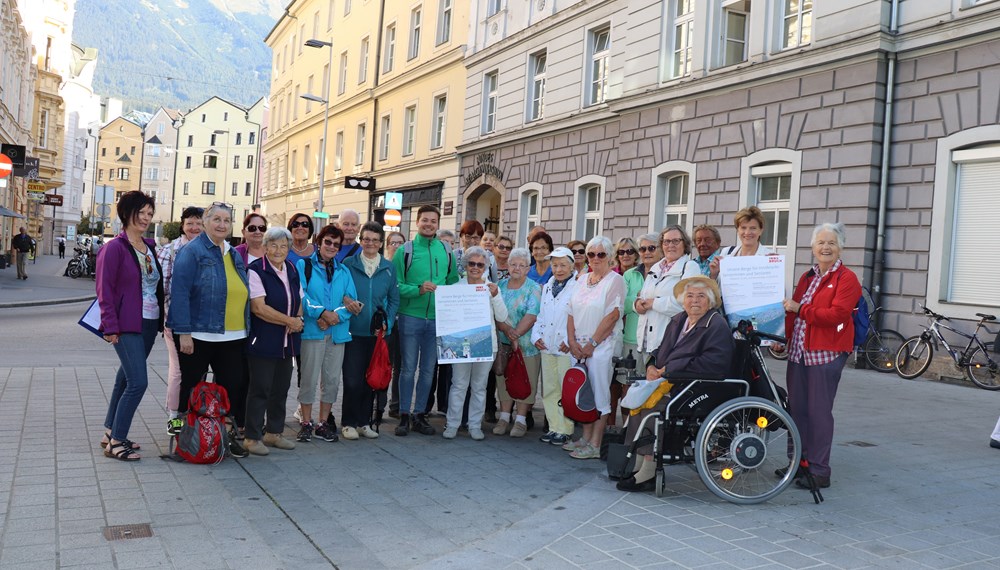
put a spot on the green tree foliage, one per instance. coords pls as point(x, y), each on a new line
point(84, 227)
point(172, 230)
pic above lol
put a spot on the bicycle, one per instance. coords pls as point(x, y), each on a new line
point(975, 360)
point(881, 345)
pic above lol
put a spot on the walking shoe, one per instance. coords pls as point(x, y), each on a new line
point(501, 427)
point(331, 421)
point(236, 449)
point(404, 425)
point(367, 432)
point(305, 432)
point(477, 434)
point(547, 437)
point(559, 439)
point(518, 430)
point(327, 433)
point(573, 445)
point(298, 414)
point(278, 441)
point(255, 447)
point(587, 451)
point(419, 424)
point(450, 432)
point(347, 432)
point(174, 426)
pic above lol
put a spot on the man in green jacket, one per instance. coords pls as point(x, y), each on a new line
point(422, 265)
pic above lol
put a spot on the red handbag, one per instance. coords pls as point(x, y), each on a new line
point(516, 377)
point(379, 371)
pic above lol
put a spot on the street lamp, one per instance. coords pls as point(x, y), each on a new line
point(225, 164)
point(325, 100)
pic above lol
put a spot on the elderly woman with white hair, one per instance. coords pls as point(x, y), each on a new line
point(697, 343)
point(593, 328)
point(820, 331)
point(275, 339)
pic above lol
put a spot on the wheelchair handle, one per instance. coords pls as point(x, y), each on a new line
point(746, 329)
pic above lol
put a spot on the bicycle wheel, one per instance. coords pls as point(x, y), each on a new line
point(880, 350)
point(914, 357)
point(983, 370)
point(777, 354)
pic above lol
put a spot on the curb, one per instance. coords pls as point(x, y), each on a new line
point(16, 304)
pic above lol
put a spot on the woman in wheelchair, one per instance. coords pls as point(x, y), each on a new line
point(697, 343)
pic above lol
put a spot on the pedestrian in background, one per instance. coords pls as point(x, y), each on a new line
point(22, 244)
point(62, 246)
point(130, 296)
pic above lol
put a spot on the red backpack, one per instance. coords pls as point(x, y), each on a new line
point(516, 376)
point(578, 395)
point(379, 371)
point(203, 439)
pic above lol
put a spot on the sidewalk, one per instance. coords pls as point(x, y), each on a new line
point(914, 486)
point(45, 284)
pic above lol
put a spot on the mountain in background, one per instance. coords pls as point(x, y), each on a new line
point(178, 53)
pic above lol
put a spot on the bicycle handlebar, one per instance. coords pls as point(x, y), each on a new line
point(746, 329)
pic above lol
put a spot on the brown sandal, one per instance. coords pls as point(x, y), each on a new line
point(122, 452)
point(107, 439)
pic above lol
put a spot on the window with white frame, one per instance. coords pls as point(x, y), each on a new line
point(338, 151)
point(796, 23)
point(363, 70)
point(306, 163)
point(438, 121)
point(385, 127)
point(491, 83)
point(342, 76)
point(444, 22)
point(536, 86)
point(530, 210)
point(681, 37)
point(409, 129)
point(390, 48)
point(735, 29)
point(315, 33)
point(208, 188)
point(588, 208)
point(359, 148)
point(294, 164)
point(347, 7)
point(599, 49)
point(493, 7)
point(415, 19)
point(236, 188)
point(772, 191)
point(329, 14)
point(309, 89)
point(674, 190)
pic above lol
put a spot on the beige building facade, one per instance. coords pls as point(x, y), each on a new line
point(119, 167)
point(159, 160)
point(17, 81)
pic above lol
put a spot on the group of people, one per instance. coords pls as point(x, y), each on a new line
point(312, 303)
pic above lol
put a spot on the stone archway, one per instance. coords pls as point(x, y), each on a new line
point(483, 201)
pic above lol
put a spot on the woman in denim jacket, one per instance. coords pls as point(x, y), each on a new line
point(209, 312)
point(328, 290)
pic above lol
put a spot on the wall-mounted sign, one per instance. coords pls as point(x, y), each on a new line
point(394, 200)
point(359, 183)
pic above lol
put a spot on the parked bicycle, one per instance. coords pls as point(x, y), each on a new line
point(975, 360)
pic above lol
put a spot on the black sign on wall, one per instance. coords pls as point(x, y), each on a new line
point(359, 183)
point(16, 153)
point(29, 170)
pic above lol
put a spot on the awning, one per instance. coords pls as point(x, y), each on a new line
point(9, 213)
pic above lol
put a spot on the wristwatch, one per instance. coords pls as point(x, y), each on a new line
point(594, 343)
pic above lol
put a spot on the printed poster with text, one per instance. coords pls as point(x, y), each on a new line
point(753, 289)
point(463, 318)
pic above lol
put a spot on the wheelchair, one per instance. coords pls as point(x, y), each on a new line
point(736, 431)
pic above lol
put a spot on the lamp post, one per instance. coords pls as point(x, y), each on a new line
point(325, 100)
point(225, 164)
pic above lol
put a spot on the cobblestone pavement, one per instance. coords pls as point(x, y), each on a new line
point(914, 486)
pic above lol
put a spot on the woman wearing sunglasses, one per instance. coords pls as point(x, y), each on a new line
point(626, 255)
point(579, 249)
point(593, 328)
point(252, 248)
point(648, 254)
point(501, 253)
point(302, 230)
point(130, 296)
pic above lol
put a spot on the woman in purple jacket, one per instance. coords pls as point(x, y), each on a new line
point(130, 295)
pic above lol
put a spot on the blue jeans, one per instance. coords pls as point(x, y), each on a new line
point(131, 381)
point(417, 341)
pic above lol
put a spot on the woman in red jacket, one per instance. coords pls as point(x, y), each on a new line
point(820, 333)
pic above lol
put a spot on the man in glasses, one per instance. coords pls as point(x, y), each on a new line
point(707, 241)
point(425, 264)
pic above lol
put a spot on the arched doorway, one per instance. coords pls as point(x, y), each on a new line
point(483, 201)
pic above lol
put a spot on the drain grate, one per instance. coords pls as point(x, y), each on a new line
point(860, 444)
point(126, 531)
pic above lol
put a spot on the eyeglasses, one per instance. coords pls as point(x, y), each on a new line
point(541, 248)
point(579, 251)
point(597, 254)
point(647, 248)
point(371, 240)
point(223, 204)
point(503, 247)
point(300, 224)
point(476, 264)
point(675, 241)
point(628, 251)
point(252, 228)
point(395, 243)
point(331, 243)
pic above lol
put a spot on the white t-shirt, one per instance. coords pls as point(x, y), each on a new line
point(591, 303)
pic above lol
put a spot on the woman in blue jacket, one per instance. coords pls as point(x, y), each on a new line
point(375, 280)
point(328, 288)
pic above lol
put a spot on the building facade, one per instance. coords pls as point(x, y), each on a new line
point(684, 111)
point(159, 159)
point(119, 166)
point(17, 80)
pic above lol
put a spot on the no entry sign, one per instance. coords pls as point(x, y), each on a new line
point(6, 166)
point(392, 218)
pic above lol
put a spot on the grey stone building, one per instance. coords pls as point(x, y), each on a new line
point(709, 107)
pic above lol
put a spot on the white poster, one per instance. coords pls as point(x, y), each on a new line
point(753, 289)
point(463, 318)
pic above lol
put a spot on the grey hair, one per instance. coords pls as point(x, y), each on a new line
point(651, 238)
point(475, 250)
point(275, 233)
point(349, 212)
point(603, 242)
point(838, 230)
point(519, 253)
point(697, 285)
point(444, 232)
point(212, 209)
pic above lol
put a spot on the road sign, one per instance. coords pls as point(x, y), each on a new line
point(6, 166)
point(36, 187)
point(390, 229)
point(321, 215)
point(36, 196)
point(393, 217)
point(15, 153)
point(394, 200)
point(53, 200)
point(103, 210)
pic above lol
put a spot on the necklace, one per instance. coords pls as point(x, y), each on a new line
point(298, 249)
point(589, 278)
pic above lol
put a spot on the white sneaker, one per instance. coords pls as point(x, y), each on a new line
point(476, 434)
point(450, 432)
point(347, 432)
point(367, 432)
point(298, 413)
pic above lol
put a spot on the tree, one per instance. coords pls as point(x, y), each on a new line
point(172, 230)
point(84, 227)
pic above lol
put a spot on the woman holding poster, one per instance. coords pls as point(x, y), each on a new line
point(471, 377)
point(749, 224)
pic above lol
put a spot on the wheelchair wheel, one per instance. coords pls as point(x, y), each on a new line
point(740, 446)
point(661, 482)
